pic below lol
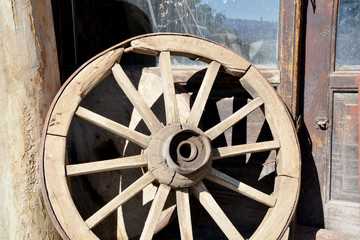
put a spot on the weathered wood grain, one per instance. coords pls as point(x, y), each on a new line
point(155, 212)
point(148, 116)
point(184, 214)
point(218, 129)
point(237, 186)
point(58, 191)
point(204, 50)
point(73, 92)
point(123, 197)
point(29, 80)
point(236, 150)
point(203, 94)
point(140, 139)
point(255, 84)
point(208, 202)
point(106, 165)
point(171, 106)
point(276, 217)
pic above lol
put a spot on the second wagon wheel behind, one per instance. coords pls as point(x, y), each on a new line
point(178, 154)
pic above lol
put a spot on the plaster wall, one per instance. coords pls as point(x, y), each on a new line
point(29, 79)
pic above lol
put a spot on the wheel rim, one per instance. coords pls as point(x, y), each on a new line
point(184, 172)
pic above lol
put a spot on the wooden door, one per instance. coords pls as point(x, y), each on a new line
point(329, 135)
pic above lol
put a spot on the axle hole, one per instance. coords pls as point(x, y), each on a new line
point(185, 150)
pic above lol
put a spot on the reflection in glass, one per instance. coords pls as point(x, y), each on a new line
point(348, 36)
point(249, 27)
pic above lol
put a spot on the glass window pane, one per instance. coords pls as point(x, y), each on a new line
point(348, 36)
point(249, 27)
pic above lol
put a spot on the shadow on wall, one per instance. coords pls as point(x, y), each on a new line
point(310, 208)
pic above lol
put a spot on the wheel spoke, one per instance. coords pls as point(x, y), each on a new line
point(171, 108)
point(121, 228)
point(232, 151)
point(106, 165)
point(120, 199)
point(114, 127)
point(203, 94)
point(155, 212)
point(184, 215)
point(233, 184)
point(221, 127)
point(209, 203)
point(136, 99)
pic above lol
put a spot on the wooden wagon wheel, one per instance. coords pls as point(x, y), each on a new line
point(177, 155)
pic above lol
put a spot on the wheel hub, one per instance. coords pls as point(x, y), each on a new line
point(179, 155)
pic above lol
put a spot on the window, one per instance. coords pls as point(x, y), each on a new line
point(86, 27)
point(348, 36)
point(249, 27)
